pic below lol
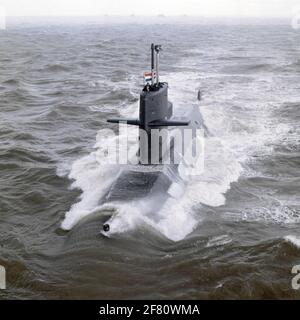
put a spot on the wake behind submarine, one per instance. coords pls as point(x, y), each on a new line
point(153, 179)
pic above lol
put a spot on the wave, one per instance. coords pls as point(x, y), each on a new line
point(219, 241)
point(93, 180)
point(57, 68)
point(295, 241)
point(276, 213)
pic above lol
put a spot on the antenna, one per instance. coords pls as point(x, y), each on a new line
point(157, 48)
point(152, 64)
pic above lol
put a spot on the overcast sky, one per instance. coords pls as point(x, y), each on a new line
point(256, 8)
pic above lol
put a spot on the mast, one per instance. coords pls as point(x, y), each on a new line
point(157, 48)
point(152, 64)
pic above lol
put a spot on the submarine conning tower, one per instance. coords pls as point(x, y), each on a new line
point(155, 109)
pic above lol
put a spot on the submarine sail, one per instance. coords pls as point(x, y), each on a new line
point(155, 111)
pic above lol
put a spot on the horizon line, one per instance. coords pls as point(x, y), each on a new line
point(149, 16)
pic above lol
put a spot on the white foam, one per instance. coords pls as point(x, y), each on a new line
point(173, 224)
point(293, 240)
point(219, 241)
point(276, 212)
point(93, 179)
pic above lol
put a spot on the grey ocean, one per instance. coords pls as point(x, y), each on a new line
point(234, 233)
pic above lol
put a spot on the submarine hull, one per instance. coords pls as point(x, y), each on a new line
point(145, 182)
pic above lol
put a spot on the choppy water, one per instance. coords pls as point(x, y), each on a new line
point(233, 234)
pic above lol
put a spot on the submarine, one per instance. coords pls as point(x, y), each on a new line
point(153, 180)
